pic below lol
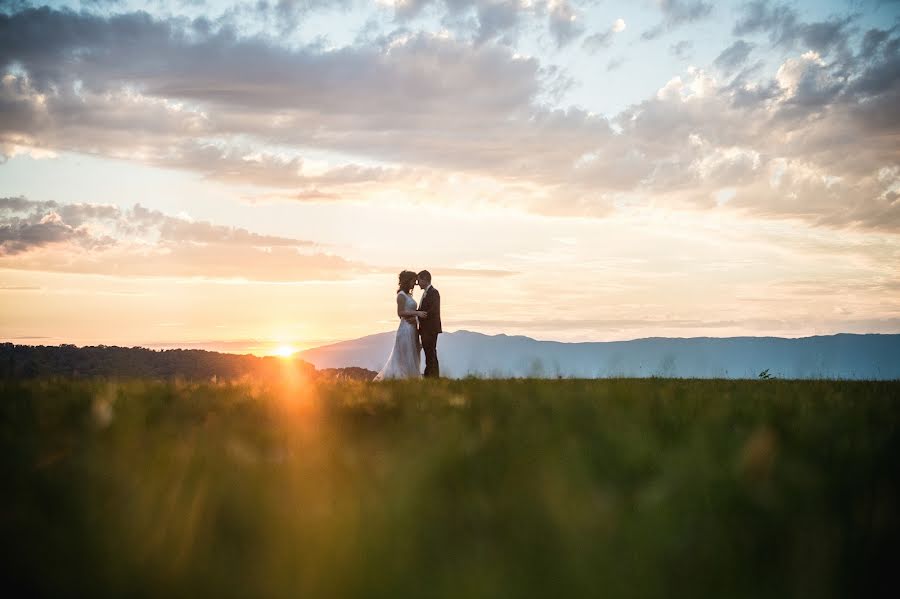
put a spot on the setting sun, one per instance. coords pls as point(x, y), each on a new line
point(285, 351)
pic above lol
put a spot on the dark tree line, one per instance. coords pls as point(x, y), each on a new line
point(38, 361)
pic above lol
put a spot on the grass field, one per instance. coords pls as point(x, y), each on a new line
point(608, 488)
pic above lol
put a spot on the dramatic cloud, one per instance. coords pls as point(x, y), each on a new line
point(405, 75)
point(816, 139)
point(785, 29)
point(795, 152)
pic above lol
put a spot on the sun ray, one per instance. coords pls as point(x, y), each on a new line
point(285, 351)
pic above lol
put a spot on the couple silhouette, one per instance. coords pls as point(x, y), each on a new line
point(420, 325)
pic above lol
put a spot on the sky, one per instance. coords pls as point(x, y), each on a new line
point(252, 176)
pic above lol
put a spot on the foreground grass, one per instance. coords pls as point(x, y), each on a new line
point(611, 488)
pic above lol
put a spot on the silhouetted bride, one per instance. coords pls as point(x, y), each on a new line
point(404, 362)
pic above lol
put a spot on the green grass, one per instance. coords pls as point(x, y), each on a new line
point(608, 488)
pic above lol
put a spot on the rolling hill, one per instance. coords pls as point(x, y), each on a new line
point(464, 353)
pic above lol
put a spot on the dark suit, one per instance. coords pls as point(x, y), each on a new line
point(429, 329)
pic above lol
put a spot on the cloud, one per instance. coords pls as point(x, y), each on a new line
point(785, 29)
point(138, 221)
point(103, 239)
point(246, 166)
point(873, 40)
point(427, 108)
point(614, 63)
point(807, 81)
point(403, 74)
point(288, 14)
point(472, 272)
point(810, 144)
point(140, 87)
point(563, 22)
point(602, 39)
point(682, 49)
point(677, 13)
point(496, 20)
point(481, 21)
point(733, 57)
point(42, 227)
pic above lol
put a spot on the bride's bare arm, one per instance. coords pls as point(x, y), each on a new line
point(402, 312)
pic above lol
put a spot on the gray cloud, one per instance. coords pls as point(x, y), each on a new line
point(682, 49)
point(785, 29)
point(40, 228)
point(408, 9)
point(733, 57)
point(487, 20)
point(496, 19)
point(27, 224)
point(676, 13)
point(288, 14)
point(241, 165)
point(873, 41)
point(614, 63)
point(598, 41)
point(456, 107)
point(564, 23)
point(602, 39)
point(428, 88)
point(809, 144)
point(404, 75)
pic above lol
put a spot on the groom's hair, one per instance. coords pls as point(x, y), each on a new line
point(425, 276)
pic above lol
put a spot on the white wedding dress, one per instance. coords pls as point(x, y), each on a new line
point(404, 361)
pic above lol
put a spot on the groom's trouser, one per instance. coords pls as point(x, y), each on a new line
point(429, 344)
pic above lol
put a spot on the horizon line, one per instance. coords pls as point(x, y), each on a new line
point(193, 345)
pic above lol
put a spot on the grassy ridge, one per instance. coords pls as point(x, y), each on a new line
point(614, 488)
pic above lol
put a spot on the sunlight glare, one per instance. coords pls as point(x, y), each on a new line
point(285, 351)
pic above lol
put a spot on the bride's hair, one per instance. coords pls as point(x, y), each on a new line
point(407, 281)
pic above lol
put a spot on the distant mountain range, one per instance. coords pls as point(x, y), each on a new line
point(464, 353)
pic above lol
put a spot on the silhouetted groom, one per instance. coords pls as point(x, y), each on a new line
point(430, 326)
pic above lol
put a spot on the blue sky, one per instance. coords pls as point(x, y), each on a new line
point(674, 168)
